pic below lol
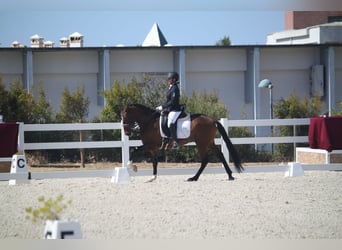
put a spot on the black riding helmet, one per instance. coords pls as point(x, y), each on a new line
point(172, 75)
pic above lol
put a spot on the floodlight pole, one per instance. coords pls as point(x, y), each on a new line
point(268, 84)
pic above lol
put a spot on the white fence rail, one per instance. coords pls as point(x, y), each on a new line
point(125, 143)
point(264, 122)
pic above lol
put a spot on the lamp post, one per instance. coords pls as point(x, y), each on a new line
point(267, 84)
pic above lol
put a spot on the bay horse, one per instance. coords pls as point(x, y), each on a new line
point(203, 132)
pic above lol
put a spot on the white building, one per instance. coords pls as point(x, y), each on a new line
point(319, 34)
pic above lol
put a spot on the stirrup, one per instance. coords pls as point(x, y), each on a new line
point(164, 143)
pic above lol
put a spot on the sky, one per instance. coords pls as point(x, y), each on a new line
point(130, 28)
point(127, 22)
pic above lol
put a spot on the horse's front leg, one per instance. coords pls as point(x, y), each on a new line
point(130, 164)
point(204, 163)
point(155, 166)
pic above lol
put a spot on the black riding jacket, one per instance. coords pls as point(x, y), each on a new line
point(172, 98)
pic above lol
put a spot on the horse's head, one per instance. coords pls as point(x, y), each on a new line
point(127, 120)
point(136, 116)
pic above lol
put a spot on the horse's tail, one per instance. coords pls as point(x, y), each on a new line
point(232, 151)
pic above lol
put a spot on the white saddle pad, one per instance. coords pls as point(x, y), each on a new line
point(183, 128)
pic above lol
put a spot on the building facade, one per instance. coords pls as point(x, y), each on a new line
point(303, 19)
point(233, 72)
point(309, 27)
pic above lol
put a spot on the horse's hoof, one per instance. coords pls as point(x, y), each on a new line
point(231, 178)
point(152, 179)
point(192, 179)
point(132, 166)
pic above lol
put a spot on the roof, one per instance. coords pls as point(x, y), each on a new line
point(155, 37)
point(49, 42)
point(76, 34)
point(36, 36)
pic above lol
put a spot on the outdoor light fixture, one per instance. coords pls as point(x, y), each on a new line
point(265, 84)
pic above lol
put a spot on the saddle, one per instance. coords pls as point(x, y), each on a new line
point(183, 125)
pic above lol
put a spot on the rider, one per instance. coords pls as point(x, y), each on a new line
point(172, 106)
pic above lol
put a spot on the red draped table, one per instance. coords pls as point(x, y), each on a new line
point(326, 133)
point(8, 138)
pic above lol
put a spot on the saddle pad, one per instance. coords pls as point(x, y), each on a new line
point(183, 127)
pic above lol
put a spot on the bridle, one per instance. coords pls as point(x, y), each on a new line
point(134, 126)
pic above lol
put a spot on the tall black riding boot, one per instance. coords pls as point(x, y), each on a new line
point(173, 132)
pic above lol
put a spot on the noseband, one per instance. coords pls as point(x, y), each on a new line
point(129, 127)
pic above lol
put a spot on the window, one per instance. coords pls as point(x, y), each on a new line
point(332, 19)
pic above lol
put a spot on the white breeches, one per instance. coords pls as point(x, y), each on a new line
point(172, 117)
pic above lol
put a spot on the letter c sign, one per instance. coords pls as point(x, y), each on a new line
point(21, 163)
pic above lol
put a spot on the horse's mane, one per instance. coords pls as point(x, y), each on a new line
point(144, 107)
point(153, 112)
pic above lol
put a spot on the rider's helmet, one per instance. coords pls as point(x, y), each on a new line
point(173, 75)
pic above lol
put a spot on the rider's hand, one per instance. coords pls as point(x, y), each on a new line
point(159, 108)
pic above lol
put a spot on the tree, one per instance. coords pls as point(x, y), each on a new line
point(74, 108)
point(118, 96)
point(3, 99)
point(154, 90)
point(43, 110)
point(338, 112)
point(19, 104)
point(225, 41)
point(204, 103)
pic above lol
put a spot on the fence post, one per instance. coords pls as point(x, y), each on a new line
point(21, 140)
point(294, 144)
point(125, 147)
point(121, 175)
point(224, 149)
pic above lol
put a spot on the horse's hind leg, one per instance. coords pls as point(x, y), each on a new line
point(220, 155)
point(202, 148)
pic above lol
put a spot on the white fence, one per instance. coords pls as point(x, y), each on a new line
point(125, 143)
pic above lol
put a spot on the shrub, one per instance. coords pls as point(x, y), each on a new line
point(294, 107)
